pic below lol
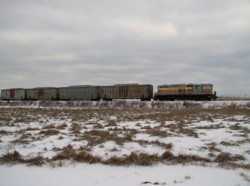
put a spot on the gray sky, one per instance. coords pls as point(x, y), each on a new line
point(102, 42)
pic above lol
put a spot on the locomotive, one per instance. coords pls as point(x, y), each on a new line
point(144, 92)
point(185, 92)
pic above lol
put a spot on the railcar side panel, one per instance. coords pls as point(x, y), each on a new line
point(5, 94)
point(47, 93)
point(126, 91)
point(13, 94)
point(79, 93)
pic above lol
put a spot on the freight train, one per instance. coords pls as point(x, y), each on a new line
point(143, 92)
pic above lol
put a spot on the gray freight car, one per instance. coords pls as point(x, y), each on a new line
point(42, 93)
point(127, 91)
point(13, 94)
point(80, 92)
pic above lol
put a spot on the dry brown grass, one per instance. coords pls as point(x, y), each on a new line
point(69, 152)
point(212, 147)
point(225, 157)
point(182, 158)
point(142, 159)
point(215, 126)
point(156, 143)
point(96, 127)
point(133, 159)
point(4, 132)
point(50, 126)
point(62, 126)
point(12, 157)
point(36, 161)
point(95, 137)
point(75, 127)
point(157, 132)
point(15, 157)
point(49, 132)
point(111, 123)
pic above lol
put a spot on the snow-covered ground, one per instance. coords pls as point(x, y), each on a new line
point(125, 104)
point(103, 175)
point(183, 143)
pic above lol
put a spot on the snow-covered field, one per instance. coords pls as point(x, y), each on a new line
point(96, 174)
point(151, 143)
point(125, 104)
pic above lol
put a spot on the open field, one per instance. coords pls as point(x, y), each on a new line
point(185, 133)
point(127, 104)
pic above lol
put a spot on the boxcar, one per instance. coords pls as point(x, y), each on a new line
point(42, 93)
point(126, 91)
point(81, 92)
point(185, 92)
point(13, 94)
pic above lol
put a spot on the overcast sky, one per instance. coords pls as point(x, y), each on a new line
point(103, 42)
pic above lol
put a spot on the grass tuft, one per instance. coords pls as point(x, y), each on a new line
point(12, 157)
point(69, 152)
point(36, 161)
point(49, 132)
point(225, 157)
point(133, 159)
